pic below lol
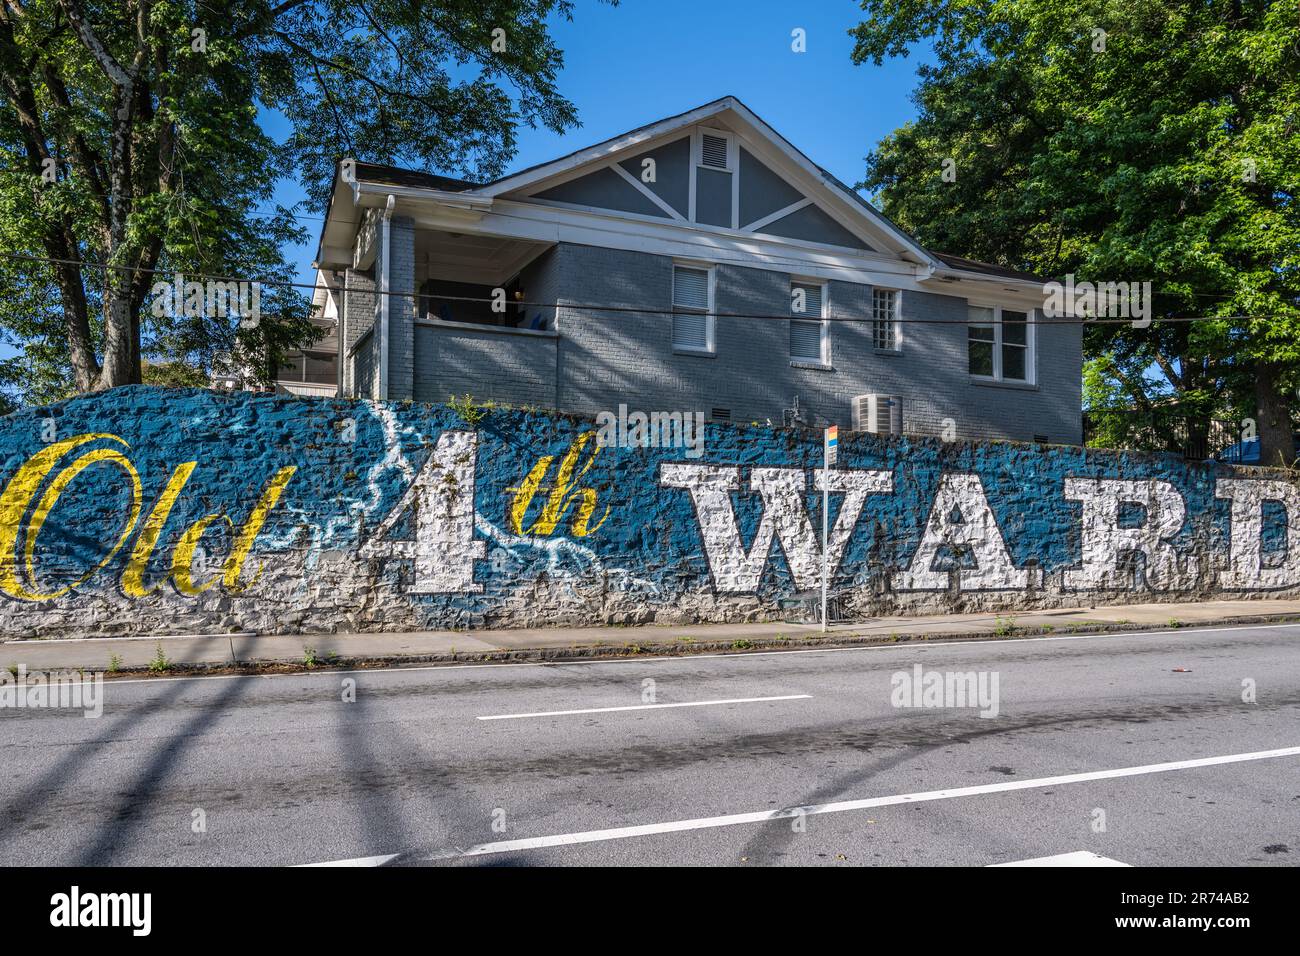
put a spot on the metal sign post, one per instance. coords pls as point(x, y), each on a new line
point(831, 453)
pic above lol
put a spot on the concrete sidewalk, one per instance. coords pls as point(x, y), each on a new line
point(218, 651)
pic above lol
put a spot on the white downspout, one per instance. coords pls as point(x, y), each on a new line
point(384, 297)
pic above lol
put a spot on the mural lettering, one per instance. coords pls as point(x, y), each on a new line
point(1246, 567)
point(961, 526)
point(442, 548)
point(562, 493)
point(1107, 542)
point(20, 534)
point(113, 525)
point(785, 518)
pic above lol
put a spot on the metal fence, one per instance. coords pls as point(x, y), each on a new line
point(1194, 435)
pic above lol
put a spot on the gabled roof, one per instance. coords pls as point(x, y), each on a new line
point(736, 114)
point(987, 268)
point(396, 176)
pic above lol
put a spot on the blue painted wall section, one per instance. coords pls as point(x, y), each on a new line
point(149, 510)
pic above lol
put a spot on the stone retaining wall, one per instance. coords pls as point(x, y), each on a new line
point(176, 511)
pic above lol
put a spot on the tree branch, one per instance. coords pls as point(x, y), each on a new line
point(112, 69)
point(1167, 367)
point(261, 22)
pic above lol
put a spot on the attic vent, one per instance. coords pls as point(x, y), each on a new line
point(713, 151)
point(721, 415)
point(878, 414)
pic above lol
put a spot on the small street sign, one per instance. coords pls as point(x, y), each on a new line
point(832, 453)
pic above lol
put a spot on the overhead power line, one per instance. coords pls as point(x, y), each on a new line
point(634, 310)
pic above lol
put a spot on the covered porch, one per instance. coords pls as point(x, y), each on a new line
point(457, 276)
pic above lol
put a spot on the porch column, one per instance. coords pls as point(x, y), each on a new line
point(358, 316)
point(401, 306)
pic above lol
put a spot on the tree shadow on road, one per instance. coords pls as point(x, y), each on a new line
point(129, 812)
point(61, 777)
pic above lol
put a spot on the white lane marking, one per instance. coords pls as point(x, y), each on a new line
point(1077, 858)
point(609, 710)
point(764, 816)
point(358, 861)
point(906, 645)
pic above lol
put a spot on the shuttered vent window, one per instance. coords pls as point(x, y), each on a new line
point(806, 300)
point(807, 337)
point(713, 151)
point(690, 308)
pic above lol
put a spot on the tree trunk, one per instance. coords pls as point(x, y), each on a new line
point(120, 350)
point(121, 344)
point(81, 346)
point(1276, 433)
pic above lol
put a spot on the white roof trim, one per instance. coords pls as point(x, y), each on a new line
point(949, 273)
point(855, 202)
point(715, 245)
point(602, 152)
point(375, 194)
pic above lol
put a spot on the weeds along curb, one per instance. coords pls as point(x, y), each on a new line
point(678, 648)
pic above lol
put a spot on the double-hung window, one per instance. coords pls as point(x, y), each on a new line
point(692, 308)
point(810, 333)
point(1000, 344)
point(884, 320)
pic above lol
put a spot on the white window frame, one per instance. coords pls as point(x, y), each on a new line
point(1030, 346)
point(710, 317)
point(825, 322)
point(895, 321)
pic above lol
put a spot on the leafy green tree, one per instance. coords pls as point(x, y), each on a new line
point(173, 374)
point(132, 147)
point(1119, 140)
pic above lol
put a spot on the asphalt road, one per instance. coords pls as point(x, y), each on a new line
point(285, 771)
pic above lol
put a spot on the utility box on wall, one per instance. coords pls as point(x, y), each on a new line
point(878, 414)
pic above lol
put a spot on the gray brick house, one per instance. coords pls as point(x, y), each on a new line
point(700, 263)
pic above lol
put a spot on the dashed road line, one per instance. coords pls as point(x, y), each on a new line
point(610, 710)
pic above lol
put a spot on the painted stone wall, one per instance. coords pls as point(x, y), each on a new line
point(172, 511)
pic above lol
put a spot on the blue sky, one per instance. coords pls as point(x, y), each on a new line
point(647, 59)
